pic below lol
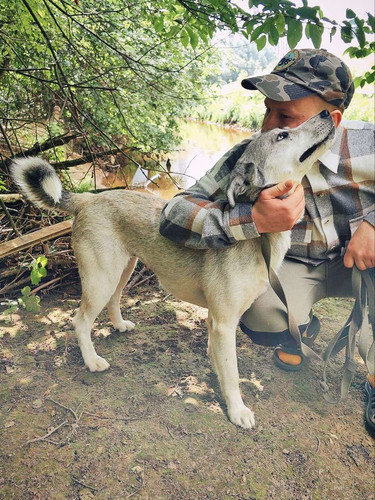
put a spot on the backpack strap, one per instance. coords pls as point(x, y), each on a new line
point(360, 319)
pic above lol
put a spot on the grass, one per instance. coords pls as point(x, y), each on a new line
point(238, 107)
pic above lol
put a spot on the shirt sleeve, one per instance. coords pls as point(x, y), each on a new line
point(201, 217)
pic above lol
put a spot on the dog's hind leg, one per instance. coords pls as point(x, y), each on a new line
point(113, 305)
point(97, 289)
point(222, 353)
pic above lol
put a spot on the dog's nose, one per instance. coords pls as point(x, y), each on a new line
point(324, 114)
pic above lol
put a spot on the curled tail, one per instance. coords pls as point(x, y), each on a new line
point(41, 185)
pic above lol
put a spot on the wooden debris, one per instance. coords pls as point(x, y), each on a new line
point(11, 197)
point(31, 239)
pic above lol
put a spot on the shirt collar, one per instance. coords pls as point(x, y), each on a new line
point(331, 157)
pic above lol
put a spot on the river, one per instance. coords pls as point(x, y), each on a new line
point(202, 145)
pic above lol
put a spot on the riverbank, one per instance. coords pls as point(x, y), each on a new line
point(238, 107)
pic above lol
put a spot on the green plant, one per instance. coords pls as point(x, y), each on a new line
point(29, 301)
point(38, 269)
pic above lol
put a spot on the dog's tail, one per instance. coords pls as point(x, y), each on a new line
point(41, 185)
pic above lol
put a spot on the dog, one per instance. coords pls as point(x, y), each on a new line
point(113, 229)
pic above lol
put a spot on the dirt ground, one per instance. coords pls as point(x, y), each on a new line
point(154, 425)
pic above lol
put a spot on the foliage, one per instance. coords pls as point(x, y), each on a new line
point(38, 269)
point(112, 68)
point(119, 67)
point(28, 300)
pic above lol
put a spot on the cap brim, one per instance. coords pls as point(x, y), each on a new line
point(276, 87)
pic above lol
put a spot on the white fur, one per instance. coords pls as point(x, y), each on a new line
point(51, 185)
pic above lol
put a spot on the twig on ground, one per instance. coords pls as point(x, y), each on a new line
point(122, 419)
point(85, 485)
point(43, 438)
point(65, 408)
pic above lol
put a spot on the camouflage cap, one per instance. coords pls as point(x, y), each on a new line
point(304, 72)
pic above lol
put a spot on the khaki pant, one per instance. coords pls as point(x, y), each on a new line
point(304, 285)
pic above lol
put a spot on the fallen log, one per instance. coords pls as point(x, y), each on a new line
point(31, 239)
point(10, 198)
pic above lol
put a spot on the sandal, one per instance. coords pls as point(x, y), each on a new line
point(370, 408)
point(308, 338)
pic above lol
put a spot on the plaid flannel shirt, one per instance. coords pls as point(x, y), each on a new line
point(339, 194)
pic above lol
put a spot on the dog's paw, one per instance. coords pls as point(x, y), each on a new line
point(243, 417)
point(98, 365)
point(124, 326)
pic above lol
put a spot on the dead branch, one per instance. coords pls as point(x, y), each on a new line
point(39, 236)
point(87, 158)
point(85, 485)
point(10, 198)
point(49, 283)
point(9, 217)
point(53, 142)
point(43, 438)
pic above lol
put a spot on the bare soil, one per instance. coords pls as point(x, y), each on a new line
point(154, 426)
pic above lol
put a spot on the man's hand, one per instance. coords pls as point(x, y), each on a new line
point(361, 248)
point(272, 214)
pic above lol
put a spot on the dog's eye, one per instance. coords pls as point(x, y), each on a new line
point(282, 135)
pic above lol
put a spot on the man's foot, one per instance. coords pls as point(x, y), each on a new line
point(289, 356)
point(370, 407)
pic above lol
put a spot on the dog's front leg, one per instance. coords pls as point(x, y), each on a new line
point(222, 353)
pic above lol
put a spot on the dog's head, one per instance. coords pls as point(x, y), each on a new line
point(278, 155)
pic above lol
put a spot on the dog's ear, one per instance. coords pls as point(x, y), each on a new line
point(239, 182)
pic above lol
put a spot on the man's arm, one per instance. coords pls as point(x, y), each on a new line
point(361, 248)
point(193, 220)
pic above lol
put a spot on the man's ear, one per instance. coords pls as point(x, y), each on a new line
point(336, 116)
point(239, 182)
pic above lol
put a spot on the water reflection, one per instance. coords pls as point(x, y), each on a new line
point(202, 145)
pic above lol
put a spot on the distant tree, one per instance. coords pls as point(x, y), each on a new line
point(238, 56)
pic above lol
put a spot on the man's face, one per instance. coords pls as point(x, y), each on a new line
point(290, 114)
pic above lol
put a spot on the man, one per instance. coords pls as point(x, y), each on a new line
point(335, 200)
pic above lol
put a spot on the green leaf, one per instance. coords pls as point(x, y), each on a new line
point(26, 291)
point(193, 37)
point(347, 33)
point(273, 35)
point(280, 23)
point(257, 32)
point(294, 34)
point(184, 37)
point(42, 260)
point(307, 30)
point(249, 26)
point(350, 14)
point(158, 23)
point(332, 33)
point(361, 37)
point(371, 21)
point(203, 36)
point(32, 303)
point(261, 42)
point(316, 35)
point(307, 12)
